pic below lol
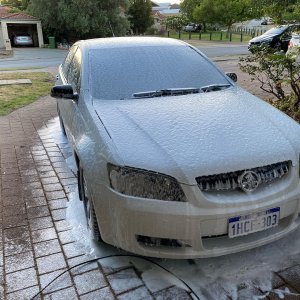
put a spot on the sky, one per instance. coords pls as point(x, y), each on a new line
point(166, 1)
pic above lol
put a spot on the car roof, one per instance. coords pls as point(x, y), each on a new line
point(294, 25)
point(282, 27)
point(291, 25)
point(117, 42)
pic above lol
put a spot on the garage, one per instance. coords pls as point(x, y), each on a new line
point(23, 29)
point(16, 24)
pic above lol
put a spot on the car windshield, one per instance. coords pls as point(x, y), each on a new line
point(275, 30)
point(119, 73)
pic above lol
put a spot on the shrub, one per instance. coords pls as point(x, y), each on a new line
point(278, 75)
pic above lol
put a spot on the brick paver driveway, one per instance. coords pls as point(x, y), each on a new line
point(39, 239)
point(37, 243)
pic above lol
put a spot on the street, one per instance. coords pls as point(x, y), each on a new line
point(25, 58)
point(215, 49)
point(212, 52)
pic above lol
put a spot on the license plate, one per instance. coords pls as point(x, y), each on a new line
point(243, 225)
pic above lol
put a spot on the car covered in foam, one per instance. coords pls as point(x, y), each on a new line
point(174, 159)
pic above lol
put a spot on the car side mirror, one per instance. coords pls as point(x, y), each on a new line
point(232, 76)
point(64, 91)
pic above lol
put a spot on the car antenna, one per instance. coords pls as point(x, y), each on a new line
point(111, 29)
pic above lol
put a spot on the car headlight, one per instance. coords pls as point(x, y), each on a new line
point(145, 184)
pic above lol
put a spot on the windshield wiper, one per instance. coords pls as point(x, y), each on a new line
point(214, 87)
point(181, 91)
point(167, 92)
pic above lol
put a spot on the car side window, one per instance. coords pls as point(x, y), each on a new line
point(292, 29)
point(287, 34)
point(68, 60)
point(74, 70)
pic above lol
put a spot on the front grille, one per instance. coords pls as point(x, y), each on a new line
point(232, 181)
point(149, 241)
point(157, 242)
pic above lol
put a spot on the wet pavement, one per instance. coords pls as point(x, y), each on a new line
point(40, 238)
point(43, 235)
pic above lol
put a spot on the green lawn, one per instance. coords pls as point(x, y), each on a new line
point(19, 95)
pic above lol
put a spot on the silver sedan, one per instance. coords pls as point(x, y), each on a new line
point(175, 160)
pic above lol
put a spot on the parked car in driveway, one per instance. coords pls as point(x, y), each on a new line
point(174, 159)
point(192, 27)
point(22, 39)
point(277, 38)
point(264, 22)
point(268, 21)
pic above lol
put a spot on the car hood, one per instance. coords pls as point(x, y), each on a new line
point(200, 134)
point(262, 38)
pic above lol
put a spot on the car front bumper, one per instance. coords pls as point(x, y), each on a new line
point(23, 43)
point(185, 230)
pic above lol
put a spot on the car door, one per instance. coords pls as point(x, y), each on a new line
point(63, 105)
point(68, 108)
point(76, 122)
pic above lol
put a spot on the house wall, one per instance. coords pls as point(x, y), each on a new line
point(1, 37)
point(4, 33)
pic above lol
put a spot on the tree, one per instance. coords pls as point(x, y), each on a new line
point(18, 4)
point(280, 10)
point(188, 7)
point(224, 12)
point(80, 19)
point(295, 14)
point(278, 75)
point(176, 22)
point(140, 15)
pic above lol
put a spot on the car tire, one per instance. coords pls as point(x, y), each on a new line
point(89, 210)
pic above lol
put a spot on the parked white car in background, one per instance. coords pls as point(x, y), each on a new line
point(192, 27)
point(23, 39)
point(174, 159)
